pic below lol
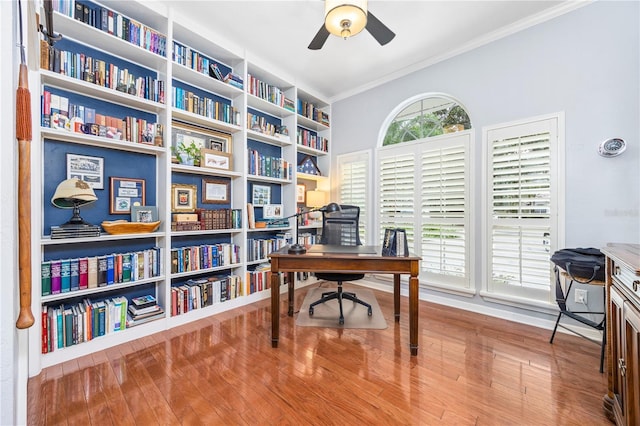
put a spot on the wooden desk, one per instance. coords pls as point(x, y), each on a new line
point(281, 261)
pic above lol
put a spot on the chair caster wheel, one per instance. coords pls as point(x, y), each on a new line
point(311, 311)
point(341, 321)
point(370, 312)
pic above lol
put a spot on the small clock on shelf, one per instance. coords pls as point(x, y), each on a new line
point(308, 165)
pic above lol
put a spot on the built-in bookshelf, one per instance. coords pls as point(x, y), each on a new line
point(123, 96)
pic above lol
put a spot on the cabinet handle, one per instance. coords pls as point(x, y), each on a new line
point(616, 270)
point(635, 285)
point(622, 367)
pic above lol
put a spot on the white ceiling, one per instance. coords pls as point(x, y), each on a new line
point(275, 35)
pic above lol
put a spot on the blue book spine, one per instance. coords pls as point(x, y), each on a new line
point(110, 269)
point(60, 326)
point(65, 275)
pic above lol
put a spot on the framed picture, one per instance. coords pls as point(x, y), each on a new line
point(216, 191)
point(300, 190)
point(200, 136)
point(309, 166)
point(261, 195)
point(144, 214)
point(125, 193)
point(88, 169)
point(215, 159)
point(272, 211)
point(183, 197)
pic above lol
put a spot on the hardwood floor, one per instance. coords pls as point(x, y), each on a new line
point(470, 370)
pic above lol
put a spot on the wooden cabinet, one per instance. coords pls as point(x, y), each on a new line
point(622, 402)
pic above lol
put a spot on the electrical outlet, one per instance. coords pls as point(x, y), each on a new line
point(581, 296)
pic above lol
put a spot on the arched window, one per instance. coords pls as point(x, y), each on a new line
point(425, 118)
point(423, 169)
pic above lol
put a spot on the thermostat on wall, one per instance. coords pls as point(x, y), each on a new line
point(612, 147)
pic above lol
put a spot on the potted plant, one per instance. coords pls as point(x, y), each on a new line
point(187, 153)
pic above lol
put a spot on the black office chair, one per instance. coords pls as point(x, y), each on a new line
point(340, 228)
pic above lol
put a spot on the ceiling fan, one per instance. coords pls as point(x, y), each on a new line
point(347, 18)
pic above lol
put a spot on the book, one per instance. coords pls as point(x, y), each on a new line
point(83, 273)
point(132, 322)
point(74, 274)
point(45, 274)
point(143, 301)
point(140, 312)
point(65, 275)
point(102, 271)
point(92, 272)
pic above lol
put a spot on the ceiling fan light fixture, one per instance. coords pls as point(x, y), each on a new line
point(345, 18)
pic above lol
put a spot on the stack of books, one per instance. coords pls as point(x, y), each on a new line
point(75, 231)
point(143, 309)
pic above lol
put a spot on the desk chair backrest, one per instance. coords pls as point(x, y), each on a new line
point(341, 227)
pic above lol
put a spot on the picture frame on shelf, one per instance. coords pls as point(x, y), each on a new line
point(144, 214)
point(183, 198)
point(309, 166)
point(272, 211)
point(300, 193)
point(216, 191)
point(261, 195)
point(86, 168)
point(125, 193)
point(200, 136)
point(214, 159)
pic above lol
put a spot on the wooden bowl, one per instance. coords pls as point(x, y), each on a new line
point(115, 227)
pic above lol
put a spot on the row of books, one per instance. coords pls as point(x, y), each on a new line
point(207, 107)
point(267, 91)
point(207, 219)
point(308, 138)
point(258, 249)
point(259, 279)
point(201, 292)
point(265, 165)
point(309, 110)
point(308, 238)
point(68, 275)
point(190, 58)
point(101, 73)
point(195, 258)
point(64, 326)
point(113, 23)
point(59, 113)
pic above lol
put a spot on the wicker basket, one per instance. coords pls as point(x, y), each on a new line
point(124, 227)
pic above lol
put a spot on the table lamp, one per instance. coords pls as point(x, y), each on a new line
point(315, 199)
point(71, 194)
point(299, 248)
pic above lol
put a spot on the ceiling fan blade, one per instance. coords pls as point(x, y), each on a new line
point(318, 41)
point(378, 30)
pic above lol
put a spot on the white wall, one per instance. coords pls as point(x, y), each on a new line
point(585, 63)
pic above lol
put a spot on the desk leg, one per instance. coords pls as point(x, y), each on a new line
point(292, 284)
point(275, 309)
point(396, 296)
point(413, 314)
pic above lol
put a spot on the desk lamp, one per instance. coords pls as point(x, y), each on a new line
point(299, 248)
point(71, 194)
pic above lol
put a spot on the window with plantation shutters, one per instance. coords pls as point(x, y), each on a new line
point(354, 185)
point(424, 189)
point(522, 207)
